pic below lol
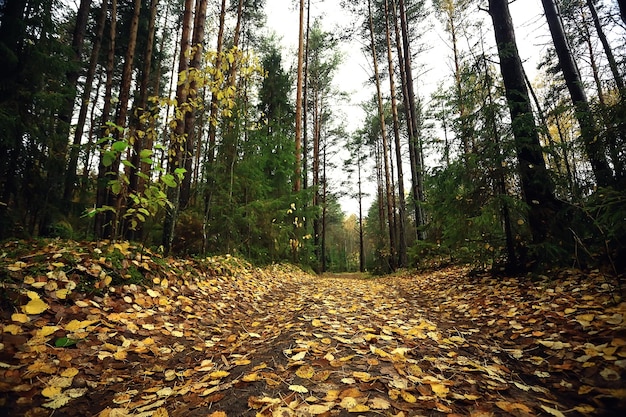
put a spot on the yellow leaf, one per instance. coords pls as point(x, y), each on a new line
point(114, 412)
point(57, 402)
point(439, 389)
point(70, 372)
point(305, 372)
point(51, 391)
point(552, 411)
point(359, 408)
point(298, 356)
point(120, 355)
point(313, 409)
point(363, 376)
point(75, 325)
point(219, 374)
point(218, 414)
point(610, 375)
point(35, 306)
point(585, 409)
point(62, 294)
point(348, 403)
point(378, 403)
point(160, 412)
point(11, 328)
point(408, 397)
point(60, 381)
point(20, 318)
point(298, 388)
point(585, 319)
point(316, 323)
point(251, 377)
point(511, 407)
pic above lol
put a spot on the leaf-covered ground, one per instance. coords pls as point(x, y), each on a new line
point(217, 337)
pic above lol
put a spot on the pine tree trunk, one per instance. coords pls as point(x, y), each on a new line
point(65, 114)
point(70, 177)
point(536, 182)
point(102, 191)
point(401, 206)
point(218, 64)
point(299, 89)
point(385, 147)
point(589, 132)
point(415, 152)
point(197, 43)
point(622, 9)
point(118, 200)
point(177, 141)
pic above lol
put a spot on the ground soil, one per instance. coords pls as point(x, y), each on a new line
point(242, 341)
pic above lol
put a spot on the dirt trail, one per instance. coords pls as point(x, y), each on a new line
point(277, 342)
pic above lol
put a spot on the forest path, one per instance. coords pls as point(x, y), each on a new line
point(239, 341)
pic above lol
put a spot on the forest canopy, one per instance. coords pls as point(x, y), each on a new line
point(188, 127)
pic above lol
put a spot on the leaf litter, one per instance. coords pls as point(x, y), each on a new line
point(219, 337)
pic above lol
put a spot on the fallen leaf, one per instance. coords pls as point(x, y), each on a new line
point(298, 388)
point(552, 411)
point(35, 306)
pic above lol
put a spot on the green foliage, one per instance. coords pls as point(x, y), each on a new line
point(144, 204)
point(600, 232)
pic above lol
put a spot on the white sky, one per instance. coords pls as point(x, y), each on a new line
point(282, 18)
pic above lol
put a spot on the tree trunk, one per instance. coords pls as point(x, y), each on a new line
point(305, 109)
point(385, 145)
point(622, 9)
point(536, 182)
point(177, 141)
point(417, 189)
point(401, 206)
point(360, 198)
point(70, 177)
point(137, 184)
point(218, 63)
point(299, 89)
point(195, 65)
point(65, 114)
point(593, 147)
point(118, 200)
point(102, 191)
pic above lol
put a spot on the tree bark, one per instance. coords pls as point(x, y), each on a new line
point(65, 115)
point(177, 140)
point(415, 152)
point(536, 183)
point(593, 146)
point(102, 192)
point(218, 63)
point(385, 146)
point(195, 67)
point(401, 206)
point(622, 9)
point(70, 177)
point(299, 89)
